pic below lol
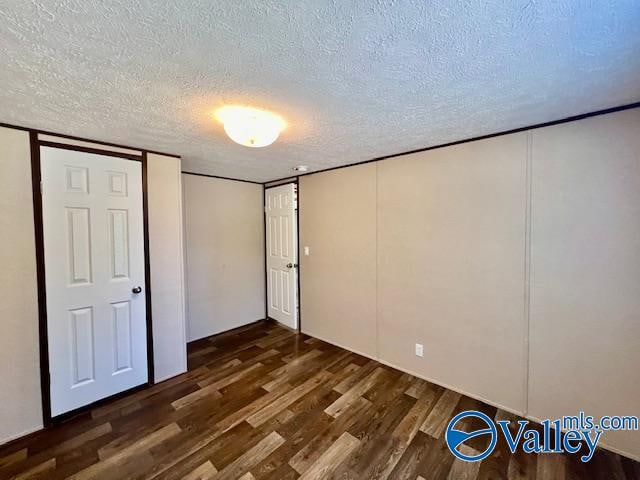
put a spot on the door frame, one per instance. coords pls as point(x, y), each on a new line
point(266, 278)
point(36, 179)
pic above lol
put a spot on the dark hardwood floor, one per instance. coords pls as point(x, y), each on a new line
point(260, 402)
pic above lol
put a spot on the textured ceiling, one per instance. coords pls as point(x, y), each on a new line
point(354, 79)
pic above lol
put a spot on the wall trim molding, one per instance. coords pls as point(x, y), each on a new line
point(82, 139)
point(97, 151)
point(151, 367)
point(221, 178)
point(573, 118)
point(282, 181)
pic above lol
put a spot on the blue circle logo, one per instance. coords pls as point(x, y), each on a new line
point(456, 438)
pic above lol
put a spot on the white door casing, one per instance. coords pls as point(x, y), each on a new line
point(282, 254)
point(93, 232)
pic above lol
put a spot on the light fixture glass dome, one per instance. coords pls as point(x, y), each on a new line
point(250, 127)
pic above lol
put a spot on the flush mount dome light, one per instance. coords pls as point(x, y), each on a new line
point(250, 127)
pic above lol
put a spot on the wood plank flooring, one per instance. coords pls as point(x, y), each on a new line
point(261, 402)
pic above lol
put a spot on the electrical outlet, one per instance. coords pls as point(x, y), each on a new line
point(419, 350)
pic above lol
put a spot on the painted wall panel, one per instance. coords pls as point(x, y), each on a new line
point(167, 265)
point(224, 235)
point(338, 224)
point(20, 399)
point(585, 271)
point(436, 241)
point(451, 240)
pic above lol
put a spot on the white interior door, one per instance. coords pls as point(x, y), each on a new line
point(94, 274)
point(282, 254)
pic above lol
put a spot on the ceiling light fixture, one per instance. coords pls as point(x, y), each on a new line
point(250, 127)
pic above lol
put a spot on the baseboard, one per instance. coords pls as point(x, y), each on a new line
point(352, 350)
point(418, 375)
point(167, 377)
point(462, 392)
point(20, 436)
point(237, 327)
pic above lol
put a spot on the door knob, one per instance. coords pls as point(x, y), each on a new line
point(291, 265)
point(136, 289)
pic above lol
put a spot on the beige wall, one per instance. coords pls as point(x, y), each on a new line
point(338, 223)
point(429, 249)
point(20, 400)
point(451, 238)
point(456, 247)
point(164, 193)
point(224, 245)
point(585, 271)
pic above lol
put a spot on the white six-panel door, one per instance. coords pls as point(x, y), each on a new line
point(282, 254)
point(94, 262)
